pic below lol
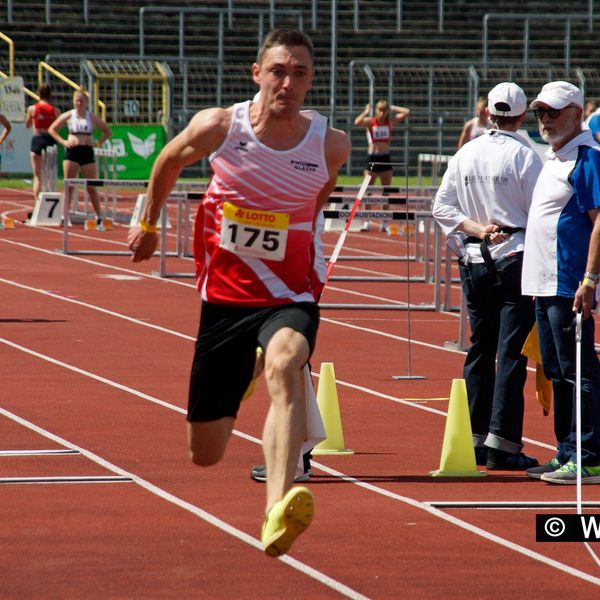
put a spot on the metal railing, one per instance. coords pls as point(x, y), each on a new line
point(533, 18)
point(399, 15)
point(45, 67)
point(48, 11)
point(220, 13)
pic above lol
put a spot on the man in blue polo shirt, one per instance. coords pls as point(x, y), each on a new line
point(560, 268)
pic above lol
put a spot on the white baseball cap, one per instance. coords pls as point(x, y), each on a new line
point(559, 94)
point(507, 99)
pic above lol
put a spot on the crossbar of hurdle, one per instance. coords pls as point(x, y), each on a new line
point(421, 231)
point(181, 231)
point(402, 216)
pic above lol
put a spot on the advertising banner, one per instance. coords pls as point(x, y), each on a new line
point(14, 153)
point(136, 147)
point(12, 99)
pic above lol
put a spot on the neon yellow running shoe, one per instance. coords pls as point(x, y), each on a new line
point(286, 520)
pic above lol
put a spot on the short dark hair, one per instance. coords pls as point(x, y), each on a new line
point(285, 37)
point(504, 121)
point(44, 91)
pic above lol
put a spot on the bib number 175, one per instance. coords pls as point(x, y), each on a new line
point(255, 233)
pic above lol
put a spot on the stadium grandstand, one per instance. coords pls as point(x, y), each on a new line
point(434, 56)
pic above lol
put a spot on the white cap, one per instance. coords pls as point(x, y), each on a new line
point(559, 94)
point(507, 99)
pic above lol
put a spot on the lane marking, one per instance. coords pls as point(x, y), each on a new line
point(35, 452)
point(105, 311)
point(163, 279)
point(492, 537)
point(411, 502)
point(66, 479)
point(360, 388)
point(510, 504)
point(195, 510)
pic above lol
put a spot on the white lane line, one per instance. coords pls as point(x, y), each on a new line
point(171, 280)
point(195, 510)
point(468, 527)
point(65, 479)
point(191, 338)
point(105, 311)
point(418, 405)
point(36, 452)
point(95, 263)
point(414, 503)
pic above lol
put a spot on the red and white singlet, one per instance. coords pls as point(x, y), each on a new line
point(379, 132)
point(254, 232)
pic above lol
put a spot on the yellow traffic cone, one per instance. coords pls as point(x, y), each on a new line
point(458, 453)
point(327, 399)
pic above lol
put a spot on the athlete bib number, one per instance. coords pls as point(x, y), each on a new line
point(380, 132)
point(256, 233)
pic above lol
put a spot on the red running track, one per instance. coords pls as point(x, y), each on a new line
point(94, 359)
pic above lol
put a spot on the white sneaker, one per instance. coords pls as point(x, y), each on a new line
point(385, 228)
point(366, 226)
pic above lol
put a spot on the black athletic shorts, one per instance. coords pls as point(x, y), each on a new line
point(383, 163)
point(225, 353)
point(41, 141)
point(83, 155)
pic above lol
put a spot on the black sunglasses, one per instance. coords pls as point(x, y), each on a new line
point(553, 113)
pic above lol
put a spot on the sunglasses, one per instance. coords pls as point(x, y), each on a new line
point(553, 113)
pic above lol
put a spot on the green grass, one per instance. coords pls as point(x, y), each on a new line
point(25, 182)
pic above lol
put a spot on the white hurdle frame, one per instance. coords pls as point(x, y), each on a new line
point(49, 171)
point(73, 184)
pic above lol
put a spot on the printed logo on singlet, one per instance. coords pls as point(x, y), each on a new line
point(486, 179)
point(241, 146)
point(301, 165)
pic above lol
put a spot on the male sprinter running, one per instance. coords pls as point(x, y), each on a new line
point(274, 169)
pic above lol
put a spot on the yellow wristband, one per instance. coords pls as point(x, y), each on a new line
point(147, 228)
point(589, 282)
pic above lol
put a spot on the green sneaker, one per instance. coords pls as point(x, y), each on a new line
point(567, 475)
point(549, 467)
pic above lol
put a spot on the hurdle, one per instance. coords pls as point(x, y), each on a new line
point(49, 173)
point(435, 161)
point(183, 200)
point(73, 184)
point(389, 215)
point(413, 201)
point(107, 169)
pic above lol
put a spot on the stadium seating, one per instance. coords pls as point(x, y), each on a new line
point(431, 52)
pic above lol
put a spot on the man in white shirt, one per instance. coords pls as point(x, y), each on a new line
point(482, 207)
point(561, 268)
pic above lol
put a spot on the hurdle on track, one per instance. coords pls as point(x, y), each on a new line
point(184, 234)
point(416, 199)
point(49, 172)
point(437, 259)
point(184, 198)
point(401, 216)
point(73, 184)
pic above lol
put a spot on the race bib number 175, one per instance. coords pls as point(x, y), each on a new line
point(252, 232)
